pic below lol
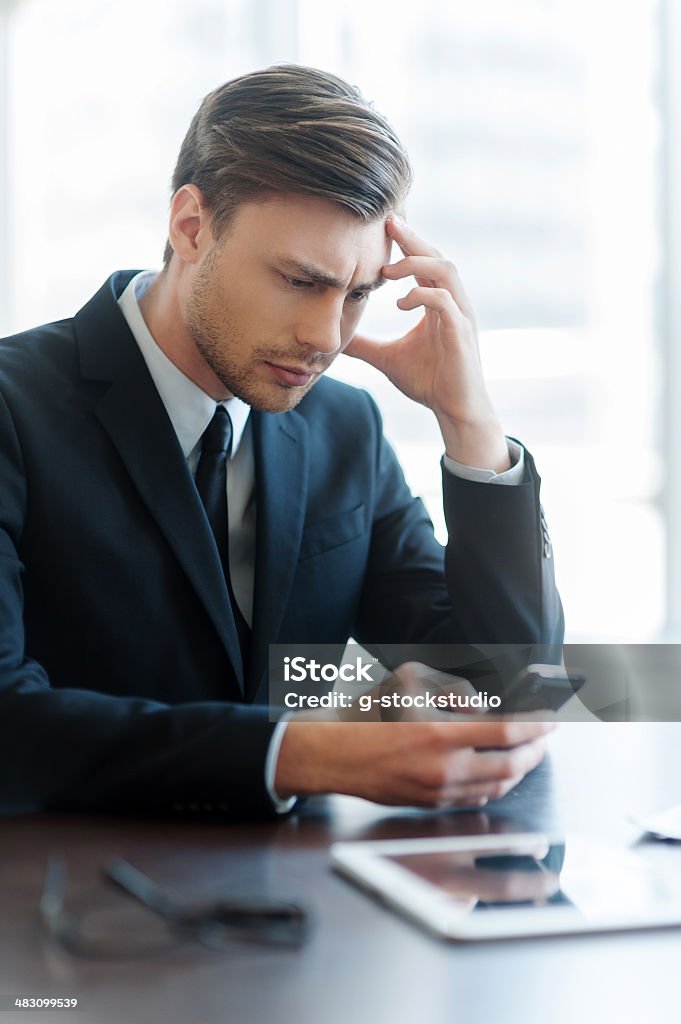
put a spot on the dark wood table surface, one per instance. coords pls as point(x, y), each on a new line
point(362, 963)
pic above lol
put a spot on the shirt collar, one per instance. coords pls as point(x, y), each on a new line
point(189, 408)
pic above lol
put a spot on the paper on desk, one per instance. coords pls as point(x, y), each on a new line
point(665, 825)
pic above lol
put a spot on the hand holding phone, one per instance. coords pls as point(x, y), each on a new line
point(541, 688)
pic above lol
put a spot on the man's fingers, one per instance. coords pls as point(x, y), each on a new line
point(484, 734)
point(483, 776)
point(409, 242)
point(372, 352)
point(438, 299)
point(433, 272)
point(419, 675)
point(428, 269)
point(445, 772)
point(500, 765)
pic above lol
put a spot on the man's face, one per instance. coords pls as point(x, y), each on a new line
point(273, 302)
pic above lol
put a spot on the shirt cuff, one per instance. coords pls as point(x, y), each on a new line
point(510, 477)
point(280, 806)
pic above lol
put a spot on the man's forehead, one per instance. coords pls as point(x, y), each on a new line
point(318, 235)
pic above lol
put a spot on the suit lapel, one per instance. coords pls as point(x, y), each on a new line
point(281, 474)
point(133, 415)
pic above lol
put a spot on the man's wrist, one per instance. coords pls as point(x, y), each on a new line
point(303, 766)
point(511, 477)
point(281, 804)
point(481, 444)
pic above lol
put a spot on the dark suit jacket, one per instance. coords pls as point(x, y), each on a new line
point(117, 644)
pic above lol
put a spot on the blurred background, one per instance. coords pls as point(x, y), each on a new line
point(544, 137)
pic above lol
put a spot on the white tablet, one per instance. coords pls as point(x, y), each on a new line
point(503, 886)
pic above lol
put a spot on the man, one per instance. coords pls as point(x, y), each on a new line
point(180, 488)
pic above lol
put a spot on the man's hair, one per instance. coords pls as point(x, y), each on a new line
point(292, 129)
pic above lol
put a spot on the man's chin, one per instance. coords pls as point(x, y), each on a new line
point(274, 399)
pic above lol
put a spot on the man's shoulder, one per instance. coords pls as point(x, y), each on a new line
point(49, 347)
point(54, 351)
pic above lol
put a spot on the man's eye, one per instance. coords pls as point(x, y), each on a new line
point(298, 283)
point(358, 296)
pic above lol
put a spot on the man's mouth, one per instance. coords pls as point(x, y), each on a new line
point(296, 376)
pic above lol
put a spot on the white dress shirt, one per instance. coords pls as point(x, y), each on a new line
point(190, 410)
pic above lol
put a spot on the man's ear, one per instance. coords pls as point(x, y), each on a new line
point(189, 228)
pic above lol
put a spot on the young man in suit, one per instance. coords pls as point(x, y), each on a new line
point(180, 487)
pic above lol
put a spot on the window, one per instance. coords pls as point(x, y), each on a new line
point(533, 129)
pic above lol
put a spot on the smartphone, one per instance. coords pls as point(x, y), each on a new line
point(541, 688)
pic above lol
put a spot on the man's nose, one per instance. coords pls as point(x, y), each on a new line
point(321, 328)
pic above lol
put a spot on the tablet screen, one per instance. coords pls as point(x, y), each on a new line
point(481, 879)
point(534, 873)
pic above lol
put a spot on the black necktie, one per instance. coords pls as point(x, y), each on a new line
point(211, 483)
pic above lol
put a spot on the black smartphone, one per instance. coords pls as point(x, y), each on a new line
point(541, 688)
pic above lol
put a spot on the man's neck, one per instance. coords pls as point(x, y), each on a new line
point(162, 312)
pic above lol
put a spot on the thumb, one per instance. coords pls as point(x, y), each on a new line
point(373, 352)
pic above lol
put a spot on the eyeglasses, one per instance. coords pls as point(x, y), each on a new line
point(105, 928)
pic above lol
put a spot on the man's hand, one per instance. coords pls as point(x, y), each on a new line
point(437, 363)
point(421, 763)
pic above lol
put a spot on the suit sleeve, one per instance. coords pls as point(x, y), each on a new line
point(78, 749)
point(492, 585)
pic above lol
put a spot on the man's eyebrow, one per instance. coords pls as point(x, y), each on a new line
point(319, 277)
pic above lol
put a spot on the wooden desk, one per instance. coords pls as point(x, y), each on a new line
point(363, 963)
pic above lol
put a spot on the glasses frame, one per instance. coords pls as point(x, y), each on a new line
point(214, 924)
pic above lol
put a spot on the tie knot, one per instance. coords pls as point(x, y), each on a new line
point(217, 437)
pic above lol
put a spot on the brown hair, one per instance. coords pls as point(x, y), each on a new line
point(293, 129)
